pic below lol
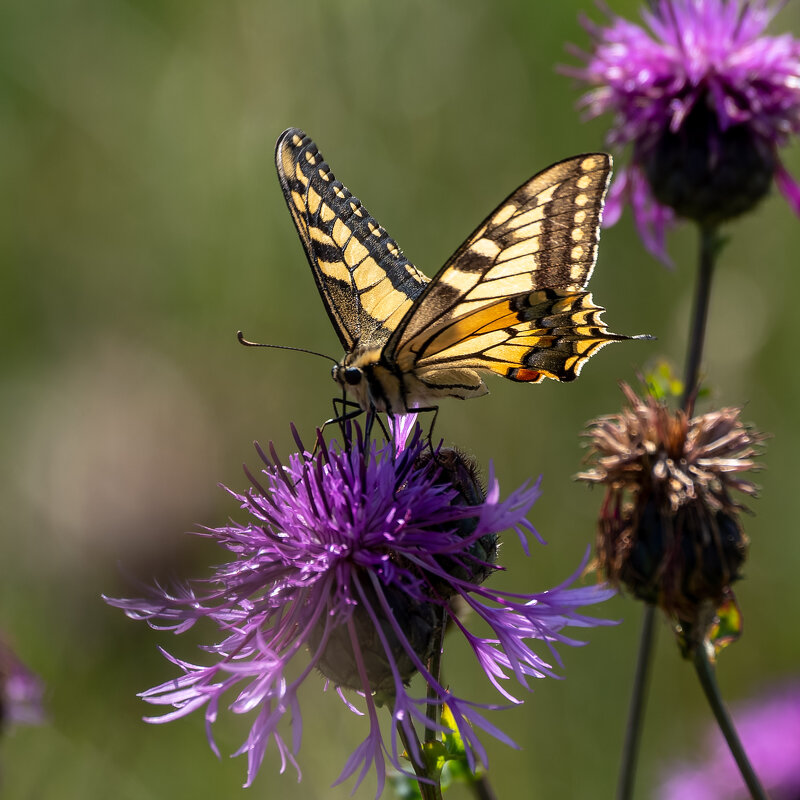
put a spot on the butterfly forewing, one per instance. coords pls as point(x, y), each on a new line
point(544, 235)
point(365, 281)
point(511, 299)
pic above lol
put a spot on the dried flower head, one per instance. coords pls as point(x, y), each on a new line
point(669, 526)
point(705, 98)
point(359, 555)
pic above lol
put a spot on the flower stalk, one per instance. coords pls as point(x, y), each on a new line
point(482, 789)
point(633, 729)
point(710, 246)
point(429, 784)
point(705, 674)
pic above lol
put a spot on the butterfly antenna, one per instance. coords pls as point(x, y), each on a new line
point(246, 343)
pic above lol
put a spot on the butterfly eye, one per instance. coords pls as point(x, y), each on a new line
point(352, 375)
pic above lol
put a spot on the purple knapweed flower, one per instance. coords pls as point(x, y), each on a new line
point(21, 691)
point(705, 99)
point(359, 555)
point(769, 728)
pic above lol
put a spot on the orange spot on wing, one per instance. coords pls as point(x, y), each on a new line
point(525, 375)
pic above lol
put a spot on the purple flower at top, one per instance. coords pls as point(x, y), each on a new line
point(21, 691)
point(769, 728)
point(359, 556)
point(705, 99)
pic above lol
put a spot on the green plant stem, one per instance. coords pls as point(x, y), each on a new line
point(429, 791)
point(709, 247)
point(435, 667)
point(630, 750)
point(480, 786)
point(482, 789)
point(708, 680)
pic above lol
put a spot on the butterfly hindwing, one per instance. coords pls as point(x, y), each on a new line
point(365, 281)
point(547, 333)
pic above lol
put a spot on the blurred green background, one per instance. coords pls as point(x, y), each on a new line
point(144, 225)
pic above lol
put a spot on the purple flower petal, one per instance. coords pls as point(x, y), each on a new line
point(650, 76)
point(21, 692)
point(788, 187)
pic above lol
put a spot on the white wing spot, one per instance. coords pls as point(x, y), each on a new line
point(504, 214)
point(588, 164)
point(579, 217)
point(577, 234)
point(584, 182)
point(577, 252)
point(581, 200)
point(486, 248)
point(460, 280)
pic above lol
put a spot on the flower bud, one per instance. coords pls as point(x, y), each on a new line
point(705, 173)
point(455, 470)
point(669, 530)
point(420, 621)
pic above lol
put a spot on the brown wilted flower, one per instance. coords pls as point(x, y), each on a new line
point(669, 528)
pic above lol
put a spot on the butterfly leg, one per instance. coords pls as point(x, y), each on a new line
point(372, 416)
point(341, 416)
point(435, 410)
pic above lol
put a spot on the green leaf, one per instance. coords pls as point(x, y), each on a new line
point(661, 381)
point(727, 627)
point(453, 742)
point(405, 788)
